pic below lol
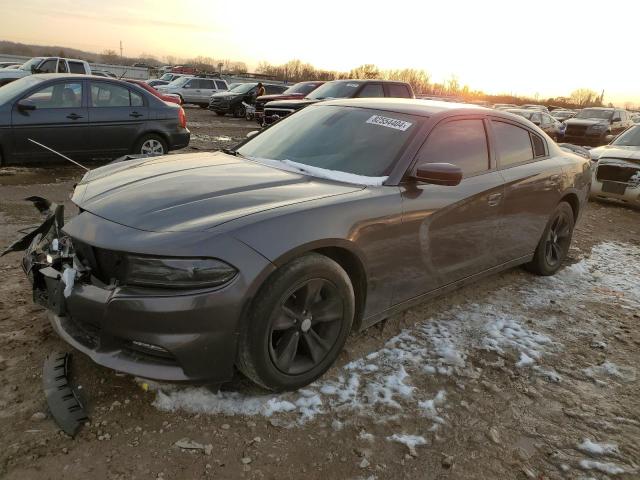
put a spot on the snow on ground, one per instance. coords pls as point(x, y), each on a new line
point(604, 467)
point(598, 448)
point(513, 323)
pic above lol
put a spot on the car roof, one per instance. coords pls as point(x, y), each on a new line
point(365, 80)
point(408, 105)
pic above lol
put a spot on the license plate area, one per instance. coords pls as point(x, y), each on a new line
point(614, 187)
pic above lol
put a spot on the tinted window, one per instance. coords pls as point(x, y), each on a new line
point(208, 84)
point(48, 67)
point(272, 89)
point(193, 83)
point(399, 91)
point(337, 89)
point(60, 95)
point(461, 142)
point(538, 145)
point(513, 144)
point(220, 85)
point(352, 140)
point(372, 90)
point(76, 67)
point(108, 95)
point(136, 99)
point(62, 66)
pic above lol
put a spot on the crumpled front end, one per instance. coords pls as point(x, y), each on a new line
point(618, 180)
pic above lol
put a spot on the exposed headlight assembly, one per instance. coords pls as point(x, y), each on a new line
point(178, 272)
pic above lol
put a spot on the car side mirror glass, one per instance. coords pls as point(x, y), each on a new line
point(439, 174)
point(26, 105)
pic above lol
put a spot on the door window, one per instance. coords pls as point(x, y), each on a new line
point(207, 84)
point(462, 143)
point(513, 144)
point(538, 146)
point(60, 95)
point(108, 95)
point(398, 91)
point(272, 89)
point(191, 84)
point(76, 67)
point(372, 90)
point(220, 85)
point(48, 67)
point(136, 99)
point(62, 66)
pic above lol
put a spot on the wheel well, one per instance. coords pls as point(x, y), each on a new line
point(159, 134)
point(572, 199)
point(354, 268)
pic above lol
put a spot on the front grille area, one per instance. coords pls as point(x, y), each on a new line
point(273, 114)
point(576, 130)
point(105, 265)
point(615, 173)
point(219, 104)
point(260, 105)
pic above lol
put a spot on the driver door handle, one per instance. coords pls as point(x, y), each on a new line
point(74, 116)
point(136, 114)
point(494, 199)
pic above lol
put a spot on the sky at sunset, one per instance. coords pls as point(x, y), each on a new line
point(521, 47)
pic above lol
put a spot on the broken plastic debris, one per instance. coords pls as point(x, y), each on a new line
point(68, 278)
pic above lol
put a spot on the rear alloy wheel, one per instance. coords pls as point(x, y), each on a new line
point(239, 111)
point(298, 324)
point(151, 145)
point(554, 244)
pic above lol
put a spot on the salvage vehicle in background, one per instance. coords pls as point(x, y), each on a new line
point(85, 117)
point(592, 126)
point(551, 126)
point(504, 106)
point(8, 64)
point(233, 100)
point(45, 65)
point(617, 173)
point(274, 111)
point(534, 106)
point(267, 256)
point(562, 115)
point(195, 90)
point(297, 91)
point(165, 97)
point(165, 79)
point(103, 73)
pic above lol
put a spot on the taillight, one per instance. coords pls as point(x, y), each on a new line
point(182, 117)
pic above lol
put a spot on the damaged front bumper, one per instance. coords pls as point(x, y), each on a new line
point(178, 336)
point(617, 180)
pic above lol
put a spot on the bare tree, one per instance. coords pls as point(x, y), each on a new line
point(584, 97)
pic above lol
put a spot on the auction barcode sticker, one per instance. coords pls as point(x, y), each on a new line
point(389, 122)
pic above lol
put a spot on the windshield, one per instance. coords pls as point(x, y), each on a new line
point(352, 140)
point(26, 66)
point(301, 88)
point(335, 90)
point(167, 77)
point(593, 113)
point(561, 114)
point(629, 138)
point(179, 82)
point(10, 90)
point(243, 88)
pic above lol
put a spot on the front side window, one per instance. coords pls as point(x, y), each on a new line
point(220, 85)
point(60, 95)
point(462, 143)
point(371, 90)
point(48, 66)
point(273, 89)
point(360, 141)
point(513, 144)
point(108, 95)
point(398, 91)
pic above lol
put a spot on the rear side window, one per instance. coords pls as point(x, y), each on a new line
point(208, 84)
point(76, 67)
point(62, 66)
point(108, 95)
point(136, 99)
point(513, 144)
point(398, 91)
point(221, 85)
point(538, 146)
point(462, 143)
point(372, 90)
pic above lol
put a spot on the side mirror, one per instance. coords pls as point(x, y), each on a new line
point(252, 133)
point(26, 105)
point(439, 174)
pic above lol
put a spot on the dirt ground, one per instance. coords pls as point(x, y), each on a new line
point(515, 377)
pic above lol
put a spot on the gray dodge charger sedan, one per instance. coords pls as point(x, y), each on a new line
point(265, 257)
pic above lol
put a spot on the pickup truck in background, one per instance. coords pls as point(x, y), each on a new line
point(45, 65)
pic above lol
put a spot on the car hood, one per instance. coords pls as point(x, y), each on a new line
point(13, 73)
point(585, 121)
point(280, 96)
point(193, 192)
point(227, 93)
point(631, 152)
point(293, 104)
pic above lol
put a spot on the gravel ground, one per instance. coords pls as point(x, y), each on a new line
point(515, 377)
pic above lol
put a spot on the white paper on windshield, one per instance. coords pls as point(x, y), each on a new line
point(354, 85)
point(389, 122)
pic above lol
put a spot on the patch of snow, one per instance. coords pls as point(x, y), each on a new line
point(598, 448)
point(411, 441)
point(610, 369)
point(604, 467)
point(223, 138)
point(368, 437)
point(525, 360)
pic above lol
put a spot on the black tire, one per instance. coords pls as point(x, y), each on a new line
point(147, 143)
point(221, 114)
point(282, 346)
point(239, 111)
point(554, 244)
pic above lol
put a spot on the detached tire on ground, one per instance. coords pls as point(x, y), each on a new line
point(298, 324)
point(554, 245)
point(151, 144)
